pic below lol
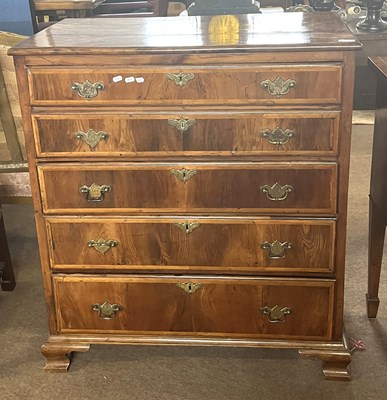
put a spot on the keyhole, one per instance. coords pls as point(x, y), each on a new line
point(187, 230)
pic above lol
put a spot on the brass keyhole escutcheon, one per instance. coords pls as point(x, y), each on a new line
point(187, 227)
point(180, 79)
point(184, 174)
point(182, 124)
point(189, 287)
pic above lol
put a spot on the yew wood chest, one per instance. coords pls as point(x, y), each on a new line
point(190, 180)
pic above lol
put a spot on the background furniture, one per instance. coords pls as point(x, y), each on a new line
point(14, 177)
point(7, 277)
point(46, 12)
point(173, 208)
point(218, 7)
point(136, 8)
point(378, 189)
point(374, 44)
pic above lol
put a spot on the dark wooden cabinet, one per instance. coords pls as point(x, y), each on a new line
point(378, 188)
point(191, 191)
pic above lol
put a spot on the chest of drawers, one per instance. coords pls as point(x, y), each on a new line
point(190, 182)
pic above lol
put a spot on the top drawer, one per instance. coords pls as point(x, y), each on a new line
point(259, 84)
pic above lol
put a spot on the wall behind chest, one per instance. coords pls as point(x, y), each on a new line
point(15, 17)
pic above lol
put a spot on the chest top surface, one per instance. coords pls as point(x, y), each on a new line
point(225, 33)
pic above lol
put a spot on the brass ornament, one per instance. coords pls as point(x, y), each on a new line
point(277, 136)
point(277, 192)
point(95, 192)
point(278, 87)
point(276, 249)
point(182, 124)
point(300, 8)
point(189, 287)
point(183, 174)
point(187, 227)
point(106, 310)
point(102, 245)
point(87, 89)
point(276, 313)
point(180, 79)
point(91, 137)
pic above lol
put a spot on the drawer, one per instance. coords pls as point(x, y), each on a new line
point(167, 306)
point(239, 84)
point(234, 245)
point(299, 188)
point(188, 134)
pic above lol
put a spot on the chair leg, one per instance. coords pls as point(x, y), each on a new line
point(377, 228)
point(7, 278)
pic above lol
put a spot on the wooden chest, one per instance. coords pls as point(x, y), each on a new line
point(190, 180)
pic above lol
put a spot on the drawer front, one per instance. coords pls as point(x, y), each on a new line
point(195, 245)
point(293, 309)
point(191, 134)
point(235, 187)
point(259, 84)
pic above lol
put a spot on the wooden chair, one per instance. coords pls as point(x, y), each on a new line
point(41, 21)
point(132, 8)
point(14, 178)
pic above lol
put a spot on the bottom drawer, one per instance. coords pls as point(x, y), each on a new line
point(236, 307)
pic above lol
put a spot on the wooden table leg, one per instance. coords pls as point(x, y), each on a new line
point(377, 229)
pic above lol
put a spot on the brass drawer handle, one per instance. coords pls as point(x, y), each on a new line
point(102, 245)
point(276, 249)
point(279, 87)
point(187, 227)
point(106, 310)
point(87, 89)
point(95, 192)
point(91, 137)
point(277, 192)
point(183, 174)
point(182, 124)
point(189, 287)
point(277, 136)
point(276, 313)
point(180, 79)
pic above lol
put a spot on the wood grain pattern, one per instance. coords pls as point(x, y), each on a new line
point(256, 33)
point(224, 194)
point(239, 85)
point(217, 245)
point(214, 134)
point(220, 306)
point(228, 187)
